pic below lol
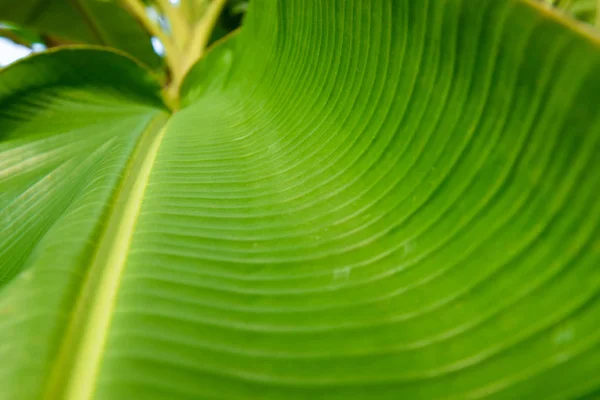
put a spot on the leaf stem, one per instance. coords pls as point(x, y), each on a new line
point(137, 9)
point(186, 42)
point(178, 24)
point(199, 39)
point(203, 29)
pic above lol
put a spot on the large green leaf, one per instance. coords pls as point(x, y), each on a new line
point(369, 199)
point(101, 22)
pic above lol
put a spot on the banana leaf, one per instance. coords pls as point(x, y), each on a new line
point(357, 200)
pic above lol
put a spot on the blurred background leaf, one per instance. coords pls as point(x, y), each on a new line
point(97, 22)
point(583, 10)
point(230, 19)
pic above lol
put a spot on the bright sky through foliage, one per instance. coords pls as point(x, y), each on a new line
point(10, 52)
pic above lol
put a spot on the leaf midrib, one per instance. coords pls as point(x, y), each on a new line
point(73, 375)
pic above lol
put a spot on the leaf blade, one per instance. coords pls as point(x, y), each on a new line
point(371, 200)
point(61, 176)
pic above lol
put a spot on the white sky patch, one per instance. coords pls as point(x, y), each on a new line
point(158, 46)
point(11, 52)
point(37, 47)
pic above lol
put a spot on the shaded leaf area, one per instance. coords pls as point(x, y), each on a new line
point(358, 200)
point(101, 22)
point(20, 35)
point(230, 19)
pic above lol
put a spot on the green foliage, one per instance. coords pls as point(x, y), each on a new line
point(125, 25)
point(97, 22)
point(357, 200)
point(20, 35)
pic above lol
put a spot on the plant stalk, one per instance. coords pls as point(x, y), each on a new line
point(138, 10)
point(198, 41)
point(180, 29)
